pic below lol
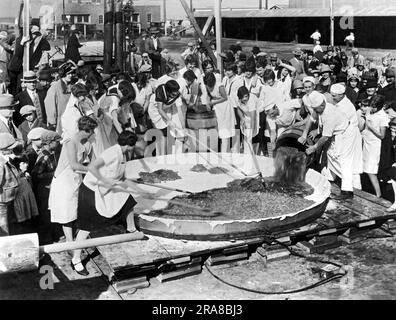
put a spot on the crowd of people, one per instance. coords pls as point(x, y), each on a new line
point(66, 133)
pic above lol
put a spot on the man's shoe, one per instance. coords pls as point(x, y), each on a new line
point(344, 195)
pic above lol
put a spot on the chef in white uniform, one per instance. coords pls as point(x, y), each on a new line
point(334, 125)
point(346, 106)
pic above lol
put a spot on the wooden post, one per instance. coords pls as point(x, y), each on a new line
point(119, 35)
point(260, 4)
point(26, 33)
point(219, 34)
point(198, 29)
point(108, 35)
point(164, 10)
point(331, 23)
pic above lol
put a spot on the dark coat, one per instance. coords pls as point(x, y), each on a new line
point(16, 62)
point(389, 92)
point(24, 100)
point(72, 51)
point(387, 158)
point(35, 56)
point(155, 56)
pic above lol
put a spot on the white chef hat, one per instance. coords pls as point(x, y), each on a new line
point(316, 99)
point(337, 88)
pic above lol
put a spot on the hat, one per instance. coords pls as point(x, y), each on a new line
point(106, 77)
point(25, 110)
point(360, 61)
point(262, 54)
point(73, 27)
point(154, 30)
point(7, 101)
point(145, 68)
point(66, 69)
point(309, 79)
point(371, 83)
point(3, 34)
point(337, 88)
point(298, 84)
point(298, 52)
point(325, 68)
point(316, 99)
point(390, 72)
point(35, 133)
point(256, 50)
point(190, 44)
point(353, 76)
point(315, 71)
point(7, 141)
point(355, 50)
point(29, 76)
point(99, 67)
point(48, 136)
point(80, 63)
point(35, 29)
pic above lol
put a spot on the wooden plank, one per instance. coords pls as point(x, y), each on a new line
point(364, 195)
point(208, 24)
point(198, 29)
point(372, 198)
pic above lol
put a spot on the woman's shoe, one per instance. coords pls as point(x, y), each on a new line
point(83, 272)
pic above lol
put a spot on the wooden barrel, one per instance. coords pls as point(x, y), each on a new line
point(204, 120)
point(289, 138)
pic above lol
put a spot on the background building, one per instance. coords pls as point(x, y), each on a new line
point(373, 22)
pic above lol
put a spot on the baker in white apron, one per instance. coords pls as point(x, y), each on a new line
point(101, 203)
point(334, 125)
point(346, 106)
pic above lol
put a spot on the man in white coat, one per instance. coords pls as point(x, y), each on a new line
point(335, 126)
point(346, 106)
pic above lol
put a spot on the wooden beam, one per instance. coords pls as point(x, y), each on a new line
point(208, 24)
point(219, 33)
point(198, 29)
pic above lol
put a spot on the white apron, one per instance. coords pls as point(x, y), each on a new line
point(225, 115)
point(109, 202)
point(341, 156)
point(63, 197)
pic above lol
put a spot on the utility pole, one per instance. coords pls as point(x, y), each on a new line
point(219, 32)
point(108, 35)
point(164, 5)
point(331, 23)
point(26, 33)
point(119, 35)
point(260, 4)
point(191, 6)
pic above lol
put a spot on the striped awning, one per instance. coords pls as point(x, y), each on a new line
point(380, 11)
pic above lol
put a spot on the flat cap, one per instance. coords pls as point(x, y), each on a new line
point(25, 110)
point(35, 133)
point(48, 136)
point(337, 88)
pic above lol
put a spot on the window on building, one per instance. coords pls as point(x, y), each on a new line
point(149, 17)
point(100, 19)
point(136, 17)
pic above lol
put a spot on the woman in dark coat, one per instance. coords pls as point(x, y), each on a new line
point(72, 52)
point(387, 164)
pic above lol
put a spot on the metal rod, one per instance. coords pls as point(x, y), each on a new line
point(160, 187)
